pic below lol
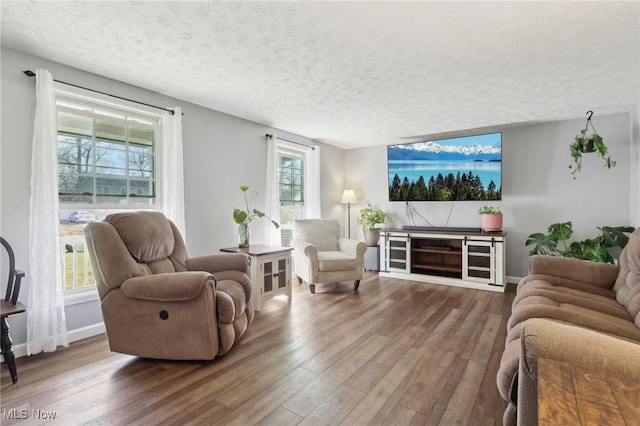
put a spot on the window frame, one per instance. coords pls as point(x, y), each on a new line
point(285, 149)
point(93, 101)
point(287, 153)
point(98, 101)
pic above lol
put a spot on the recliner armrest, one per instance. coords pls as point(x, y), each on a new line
point(597, 274)
point(169, 287)
point(220, 262)
point(352, 247)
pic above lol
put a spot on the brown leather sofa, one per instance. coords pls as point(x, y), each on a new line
point(593, 298)
point(159, 303)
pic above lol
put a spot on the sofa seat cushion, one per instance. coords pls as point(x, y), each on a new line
point(573, 297)
point(549, 281)
point(536, 306)
point(332, 261)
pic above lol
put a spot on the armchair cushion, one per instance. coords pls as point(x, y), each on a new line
point(322, 233)
point(332, 261)
point(172, 287)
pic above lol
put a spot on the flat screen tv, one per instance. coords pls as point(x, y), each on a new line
point(467, 168)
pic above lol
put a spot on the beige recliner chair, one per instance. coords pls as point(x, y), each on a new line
point(159, 303)
point(321, 256)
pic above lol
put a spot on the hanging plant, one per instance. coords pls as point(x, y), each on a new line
point(588, 142)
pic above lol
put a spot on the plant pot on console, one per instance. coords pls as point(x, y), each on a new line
point(369, 218)
point(491, 219)
point(371, 236)
point(492, 222)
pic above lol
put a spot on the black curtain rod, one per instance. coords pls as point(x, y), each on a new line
point(30, 73)
point(313, 148)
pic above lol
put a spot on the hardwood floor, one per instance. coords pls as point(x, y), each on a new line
point(396, 353)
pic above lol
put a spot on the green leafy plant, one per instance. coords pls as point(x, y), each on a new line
point(245, 217)
point(370, 216)
point(588, 143)
point(489, 210)
point(593, 249)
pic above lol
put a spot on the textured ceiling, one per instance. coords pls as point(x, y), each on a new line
point(353, 73)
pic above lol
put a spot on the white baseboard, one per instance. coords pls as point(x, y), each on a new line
point(513, 280)
point(74, 335)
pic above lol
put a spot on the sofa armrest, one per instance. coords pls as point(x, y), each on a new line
point(597, 274)
point(580, 347)
point(543, 338)
point(169, 287)
point(220, 262)
point(352, 247)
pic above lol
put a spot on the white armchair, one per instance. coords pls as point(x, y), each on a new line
point(321, 256)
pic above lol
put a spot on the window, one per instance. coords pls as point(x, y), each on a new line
point(106, 162)
point(291, 182)
point(105, 157)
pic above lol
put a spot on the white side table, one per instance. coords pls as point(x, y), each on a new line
point(270, 271)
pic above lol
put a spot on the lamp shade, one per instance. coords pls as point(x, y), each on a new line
point(348, 196)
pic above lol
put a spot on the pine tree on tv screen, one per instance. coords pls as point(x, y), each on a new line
point(458, 169)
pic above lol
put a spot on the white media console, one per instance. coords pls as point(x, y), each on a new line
point(463, 257)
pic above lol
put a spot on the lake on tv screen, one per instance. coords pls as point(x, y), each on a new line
point(412, 170)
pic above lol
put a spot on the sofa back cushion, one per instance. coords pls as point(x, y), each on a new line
point(627, 286)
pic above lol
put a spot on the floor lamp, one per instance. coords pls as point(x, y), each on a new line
point(348, 197)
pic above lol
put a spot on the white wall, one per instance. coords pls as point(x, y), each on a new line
point(634, 167)
point(537, 187)
point(221, 152)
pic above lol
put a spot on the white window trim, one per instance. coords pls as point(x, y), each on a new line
point(81, 295)
point(98, 100)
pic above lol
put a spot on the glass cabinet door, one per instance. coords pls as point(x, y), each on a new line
point(282, 273)
point(398, 253)
point(267, 274)
point(478, 260)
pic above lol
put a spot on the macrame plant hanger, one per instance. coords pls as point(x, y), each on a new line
point(588, 147)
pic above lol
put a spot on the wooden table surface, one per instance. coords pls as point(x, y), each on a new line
point(7, 309)
point(257, 249)
point(570, 395)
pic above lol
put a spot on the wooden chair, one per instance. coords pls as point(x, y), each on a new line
point(10, 306)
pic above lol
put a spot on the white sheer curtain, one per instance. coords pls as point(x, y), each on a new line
point(172, 171)
point(46, 325)
point(313, 208)
point(272, 193)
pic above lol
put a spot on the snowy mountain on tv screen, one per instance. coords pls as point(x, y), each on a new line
point(434, 151)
